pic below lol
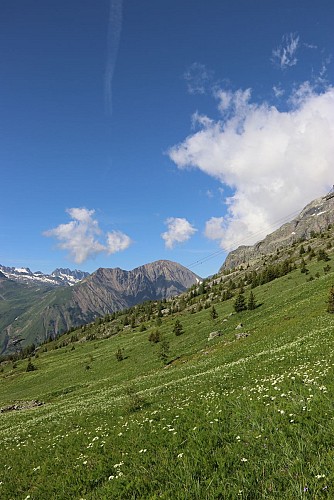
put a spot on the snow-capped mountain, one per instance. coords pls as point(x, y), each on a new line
point(71, 277)
point(59, 277)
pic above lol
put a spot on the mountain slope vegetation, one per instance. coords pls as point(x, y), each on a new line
point(133, 407)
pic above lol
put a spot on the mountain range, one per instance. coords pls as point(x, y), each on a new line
point(35, 307)
point(59, 277)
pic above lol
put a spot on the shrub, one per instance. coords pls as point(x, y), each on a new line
point(135, 401)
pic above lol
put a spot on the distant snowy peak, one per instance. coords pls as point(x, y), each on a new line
point(22, 270)
point(69, 275)
point(59, 277)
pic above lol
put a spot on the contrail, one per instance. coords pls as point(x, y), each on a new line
point(114, 35)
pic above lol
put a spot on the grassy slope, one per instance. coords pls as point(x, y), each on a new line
point(249, 418)
point(15, 299)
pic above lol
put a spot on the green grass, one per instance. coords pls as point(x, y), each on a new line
point(251, 418)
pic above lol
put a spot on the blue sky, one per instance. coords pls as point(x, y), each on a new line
point(137, 131)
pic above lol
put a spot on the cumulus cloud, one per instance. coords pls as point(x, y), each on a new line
point(275, 161)
point(285, 54)
point(80, 236)
point(179, 230)
point(117, 241)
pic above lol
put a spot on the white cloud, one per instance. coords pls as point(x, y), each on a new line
point(302, 93)
point(117, 241)
point(215, 228)
point(275, 161)
point(80, 236)
point(179, 230)
point(198, 78)
point(236, 102)
point(285, 54)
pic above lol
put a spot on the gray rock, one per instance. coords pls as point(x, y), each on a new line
point(213, 335)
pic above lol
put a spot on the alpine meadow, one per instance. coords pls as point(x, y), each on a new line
point(191, 397)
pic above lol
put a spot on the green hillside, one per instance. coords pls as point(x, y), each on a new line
point(17, 299)
point(246, 415)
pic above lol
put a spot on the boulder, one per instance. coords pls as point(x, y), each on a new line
point(213, 335)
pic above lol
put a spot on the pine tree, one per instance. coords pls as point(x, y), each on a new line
point(213, 313)
point(178, 328)
point(240, 303)
point(323, 255)
point(164, 351)
point(303, 268)
point(330, 303)
point(251, 304)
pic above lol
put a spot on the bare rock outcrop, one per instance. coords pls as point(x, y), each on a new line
point(314, 218)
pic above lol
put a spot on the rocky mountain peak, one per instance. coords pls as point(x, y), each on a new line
point(315, 217)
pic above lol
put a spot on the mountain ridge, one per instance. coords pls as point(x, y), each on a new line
point(314, 218)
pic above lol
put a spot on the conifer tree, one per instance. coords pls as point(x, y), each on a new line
point(251, 304)
point(213, 313)
point(240, 303)
point(30, 367)
point(323, 255)
point(164, 351)
point(178, 328)
point(303, 268)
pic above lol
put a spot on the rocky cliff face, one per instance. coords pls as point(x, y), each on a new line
point(314, 218)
